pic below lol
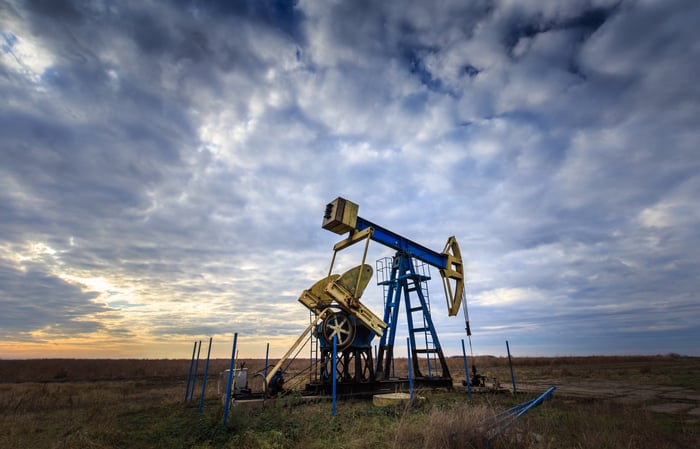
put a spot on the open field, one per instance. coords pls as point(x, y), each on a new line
point(613, 402)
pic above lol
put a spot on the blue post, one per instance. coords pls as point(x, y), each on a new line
point(204, 380)
point(466, 371)
point(510, 362)
point(189, 375)
point(267, 358)
point(410, 371)
point(335, 370)
point(230, 379)
point(196, 369)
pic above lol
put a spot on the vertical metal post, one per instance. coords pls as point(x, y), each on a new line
point(267, 358)
point(230, 379)
point(512, 376)
point(410, 371)
point(189, 375)
point(335, 370)
point(364, 256)
point(466, 371)
point(196, 369)
point(330, 269)
point(204, 379)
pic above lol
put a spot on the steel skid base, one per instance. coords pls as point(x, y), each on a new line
point(367, 389)
point(356, 376)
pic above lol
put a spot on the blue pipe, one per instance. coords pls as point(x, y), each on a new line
point(466, 371)
point(267, 355)
point(189, 375)
point(497, 424)
point(196, 369)
point(410, 371)
point(204, 380)
point(512, 376)
point(230, 378)
point(335, 371)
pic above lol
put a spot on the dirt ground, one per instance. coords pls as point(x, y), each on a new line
point(55, 403)
point(667, 384)
point(663, 384)
point(658, 398)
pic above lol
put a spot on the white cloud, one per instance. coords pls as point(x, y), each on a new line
point(509, 296)
point(23, 54)
point(190, 154)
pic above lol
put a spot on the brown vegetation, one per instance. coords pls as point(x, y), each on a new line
point(140, 403)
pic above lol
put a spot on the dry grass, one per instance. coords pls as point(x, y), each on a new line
point(139, 403)
point(656, 369)
point(671, 370)
point(443, 427)
point(57, 415)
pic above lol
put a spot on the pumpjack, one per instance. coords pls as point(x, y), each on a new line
point(337, 313)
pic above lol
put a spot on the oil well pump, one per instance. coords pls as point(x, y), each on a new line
point(336, 312)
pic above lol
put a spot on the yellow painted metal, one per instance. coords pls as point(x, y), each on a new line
point(354, 237)
point(316, 298)
point(340, 216)
point(359, 277)
point(296, 344)
point(338, 325)
point(349, 280)
point(346, 293)
point(330, 269)
point(454, 270)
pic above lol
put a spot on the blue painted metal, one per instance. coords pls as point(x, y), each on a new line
point(363, 335)
point(230, 378)
point(399, 243)
point(496, 425)
point(335, 372)
point(410, 372)
point(404, 280)
point(189, 374)
point(267, 358)
point(204, 379)
point(512, 376)
point(196, 370)
point(466, 371)
point(391, 315)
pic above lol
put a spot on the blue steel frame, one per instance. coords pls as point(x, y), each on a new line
point(401, 272)
point(402, 244)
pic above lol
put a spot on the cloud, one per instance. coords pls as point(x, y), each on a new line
point(164, 168)
point(36, 301)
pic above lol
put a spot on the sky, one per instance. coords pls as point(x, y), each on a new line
point(165, 166)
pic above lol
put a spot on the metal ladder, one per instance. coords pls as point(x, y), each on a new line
point(410, 281)
point(313, 351)
point(423, 270)
point(385, 278)
point(422, 338)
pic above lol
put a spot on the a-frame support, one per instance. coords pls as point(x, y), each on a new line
point(405, 281)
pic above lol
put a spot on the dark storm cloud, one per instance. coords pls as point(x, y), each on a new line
point(586, 21)
point(274, 15)
point(34, 300)
point(182, 152)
